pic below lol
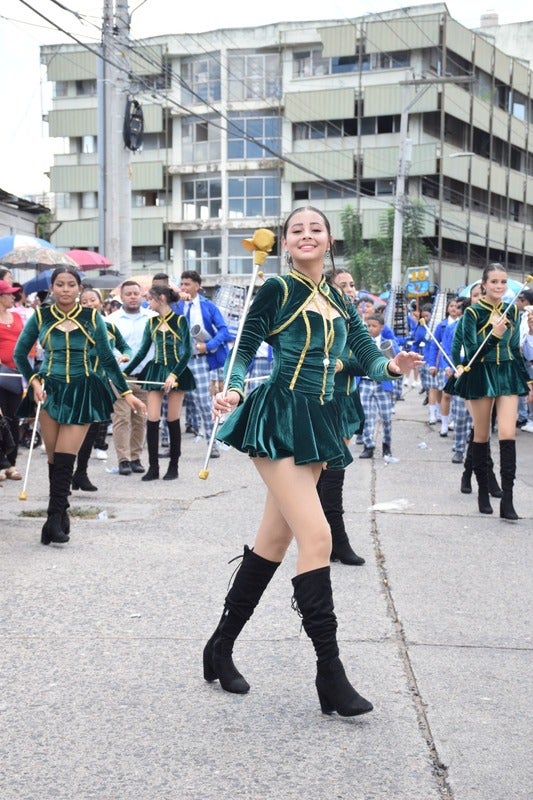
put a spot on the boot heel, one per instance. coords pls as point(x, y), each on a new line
point(209, 673)
point(45, 536)
point(484, 505)
point(325, 705)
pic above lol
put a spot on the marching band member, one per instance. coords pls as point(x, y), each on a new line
point(289, 426)
point(72, 394)
point(497, 376)
point(169, 333)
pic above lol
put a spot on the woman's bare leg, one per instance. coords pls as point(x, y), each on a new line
point(507, 411)
point(293, 503)
point(175, 402)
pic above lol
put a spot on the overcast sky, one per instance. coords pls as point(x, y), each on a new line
point(23, 147)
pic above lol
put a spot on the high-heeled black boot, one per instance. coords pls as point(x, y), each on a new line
point(466, 477)
point(152, 442)
point(65, 519)
point(508, 472)
point(80, 479)
point(329, 487)
point(481, 471)
point(314, 601)
point(61, 476)
point(251, 580)
point(174, 436)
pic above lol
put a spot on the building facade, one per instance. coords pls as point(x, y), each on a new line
point(243, 125)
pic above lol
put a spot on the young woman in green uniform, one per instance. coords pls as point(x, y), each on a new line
point(290, 427)
point(72, 394)
point(497, 375)
point(166, 373)
point(91, 298)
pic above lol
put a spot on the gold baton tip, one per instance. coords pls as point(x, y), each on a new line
point(23, 496)
point(203, 474)
point(467, 369)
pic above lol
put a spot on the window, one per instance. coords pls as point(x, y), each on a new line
point(306, 63)
point(246, 134)
point(200, 80)
point(202, 253)
point(202, 198)
point(85, 88)
point(89, 200)
point(254, 195)
point(254, 75)
point(60, 88)
point(63, 200)
point(200, 141)
point(88, 144)
point(318, 191)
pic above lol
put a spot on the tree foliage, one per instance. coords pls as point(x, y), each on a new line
point(371, 263)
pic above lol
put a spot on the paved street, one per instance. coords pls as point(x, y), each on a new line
point(102, 695)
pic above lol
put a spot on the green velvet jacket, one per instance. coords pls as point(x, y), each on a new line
point(172, 347)
point(304, 350)
point(68, 355)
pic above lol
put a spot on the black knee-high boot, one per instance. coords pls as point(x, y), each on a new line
point(329, 487)
point(251, 580)
point(80, 479)
point(61, 476)
point(466, 477)
point(65, 519)
point(174, 435)
point(152, 441)
point(494, 486)
point(508, 472)
point(314, 600)
point(481, 470)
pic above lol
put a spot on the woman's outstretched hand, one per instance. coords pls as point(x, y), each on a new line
point(403, 362)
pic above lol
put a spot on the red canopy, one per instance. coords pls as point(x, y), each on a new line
point(89, 259)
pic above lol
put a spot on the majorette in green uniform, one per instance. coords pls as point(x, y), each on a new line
point(76, 392)
point(499, 368)
point(293, 413)
point(171, 339)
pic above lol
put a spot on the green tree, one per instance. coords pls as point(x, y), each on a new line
point(371, 263)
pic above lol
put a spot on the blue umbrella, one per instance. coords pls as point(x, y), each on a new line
point(41, 282)
point(11, 242)
point(512, 288)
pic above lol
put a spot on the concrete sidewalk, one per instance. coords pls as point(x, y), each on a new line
point(101, 640)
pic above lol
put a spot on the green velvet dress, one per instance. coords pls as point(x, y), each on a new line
point(293, 413)
point(76, 394)
point(499, 368)
point(172, 351)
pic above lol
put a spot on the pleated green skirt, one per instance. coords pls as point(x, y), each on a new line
point(274, 422)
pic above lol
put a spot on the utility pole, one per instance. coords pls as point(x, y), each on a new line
point(114, 161)
point(404, 159)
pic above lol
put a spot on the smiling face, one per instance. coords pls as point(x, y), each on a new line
point(306, 239)
point(495, 285)
point(90, 299)
point(65, 289)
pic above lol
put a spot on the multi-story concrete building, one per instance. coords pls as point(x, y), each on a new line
point(242, 125)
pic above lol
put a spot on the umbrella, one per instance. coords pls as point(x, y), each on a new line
point(362, 294)
point(89, 259)
point(512, 288)
point(37, 258)
point(41, 282)
point(16, 240)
